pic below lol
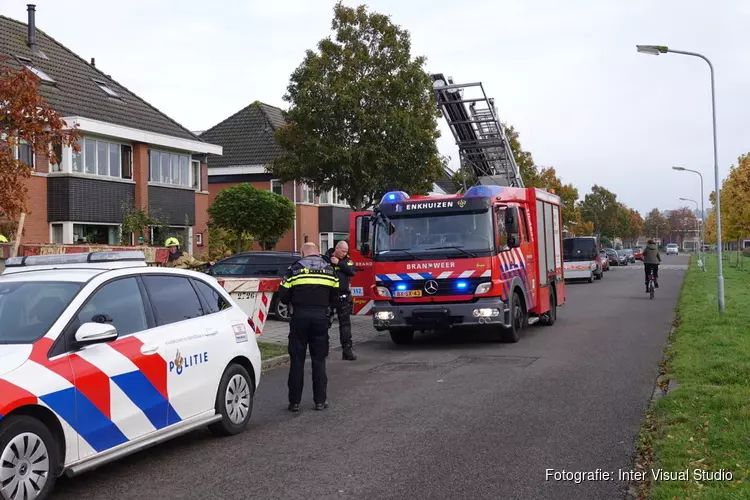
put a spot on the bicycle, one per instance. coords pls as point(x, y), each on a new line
point(651, 280)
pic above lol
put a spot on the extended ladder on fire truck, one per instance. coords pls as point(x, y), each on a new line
point(482, 144)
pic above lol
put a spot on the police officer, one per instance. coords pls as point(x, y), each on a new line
point(344, 268)
point(311, 287)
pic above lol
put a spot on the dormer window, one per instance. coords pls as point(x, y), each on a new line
point(38, 72)
point(107, 89)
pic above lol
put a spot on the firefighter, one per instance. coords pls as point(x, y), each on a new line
point(344, 268)
point(178, 258)
point(311, 287)
point(3, 239)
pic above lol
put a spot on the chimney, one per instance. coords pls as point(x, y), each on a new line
point(31, 42)
point(93, 62)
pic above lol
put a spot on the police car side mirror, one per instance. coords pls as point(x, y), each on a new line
point(95, 333)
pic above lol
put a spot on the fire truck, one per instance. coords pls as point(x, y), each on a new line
point(490, 256)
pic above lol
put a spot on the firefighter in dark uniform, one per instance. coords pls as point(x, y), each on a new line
point(311, 287)
point(344, 268)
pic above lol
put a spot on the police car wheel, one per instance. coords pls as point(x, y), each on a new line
point(234, 402)
point(29, 462)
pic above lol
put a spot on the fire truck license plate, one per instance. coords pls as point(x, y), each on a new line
point(409, 293)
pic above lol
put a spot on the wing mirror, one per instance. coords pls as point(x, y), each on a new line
point(95, 333)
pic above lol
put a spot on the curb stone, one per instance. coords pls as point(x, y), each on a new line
point(276, 362)
point(633, 491)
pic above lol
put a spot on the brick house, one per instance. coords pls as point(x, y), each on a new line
point(132, 155)
point(248, 143)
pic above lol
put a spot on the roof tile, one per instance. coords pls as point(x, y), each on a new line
point(75, 92)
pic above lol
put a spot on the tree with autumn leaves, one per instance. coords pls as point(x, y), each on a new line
point(25, 118)
point(735, 205)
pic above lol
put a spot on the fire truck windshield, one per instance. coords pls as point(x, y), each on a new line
point(431, 235)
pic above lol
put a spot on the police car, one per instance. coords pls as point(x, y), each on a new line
point(102, 356)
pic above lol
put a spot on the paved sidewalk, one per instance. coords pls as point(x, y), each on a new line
point(362, 331)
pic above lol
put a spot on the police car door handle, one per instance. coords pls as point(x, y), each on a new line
point(210, 333)
point(148, 349)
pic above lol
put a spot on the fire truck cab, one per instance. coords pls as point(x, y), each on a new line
point(489, 257)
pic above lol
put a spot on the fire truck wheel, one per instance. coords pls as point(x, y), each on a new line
point(517, 320)
point(401, 336)
point(551, 316)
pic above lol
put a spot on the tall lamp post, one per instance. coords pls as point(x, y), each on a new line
point(696, 220)
point(703, 211)
point(663, 49)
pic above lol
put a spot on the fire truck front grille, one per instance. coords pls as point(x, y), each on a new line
point(406, 289)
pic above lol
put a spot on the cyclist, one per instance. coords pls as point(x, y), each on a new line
point(651, 260)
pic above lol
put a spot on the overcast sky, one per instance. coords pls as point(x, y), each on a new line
point(565, 73)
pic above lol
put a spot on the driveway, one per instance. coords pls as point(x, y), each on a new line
point(448, 417)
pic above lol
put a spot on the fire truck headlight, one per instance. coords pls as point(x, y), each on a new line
point(486, 313)
point(384, 315)
point(383, 292)
point(483, 288)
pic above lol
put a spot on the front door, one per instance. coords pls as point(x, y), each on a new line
point(362, 282)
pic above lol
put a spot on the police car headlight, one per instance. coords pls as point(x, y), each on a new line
point(383, 291)
point(483, 288)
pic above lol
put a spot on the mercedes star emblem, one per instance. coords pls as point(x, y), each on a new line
point(431, 287)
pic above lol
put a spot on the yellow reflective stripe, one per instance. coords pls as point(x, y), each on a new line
point(286, 284)
point(308, 280)
point(315, 275)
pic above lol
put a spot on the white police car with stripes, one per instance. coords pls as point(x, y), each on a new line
point(102, 355)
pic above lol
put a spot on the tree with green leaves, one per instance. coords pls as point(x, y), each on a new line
point(601, 208)
point(244, 210)
point(363, 115)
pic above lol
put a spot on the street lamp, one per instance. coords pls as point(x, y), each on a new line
point(696, 220)
point(663, 49)
point(703, 211)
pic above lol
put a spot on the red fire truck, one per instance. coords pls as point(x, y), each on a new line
point(489, 257)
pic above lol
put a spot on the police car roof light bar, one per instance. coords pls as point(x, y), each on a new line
point(483, 191)
point(75, 258)
point(394, 197)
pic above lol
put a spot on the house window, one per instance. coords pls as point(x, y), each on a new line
point(169, 168)
point(196, 166)
point(96, 234)
point(106, 89)
point(38, 72)
point(325, 243)
point(277, 186)
point(57, 149)
point(199, 239)
point(308, 195)
point(57, 234)
point(331, 197)
point(103, 158)
point(25, 154)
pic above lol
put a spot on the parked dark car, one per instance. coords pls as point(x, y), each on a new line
point(629, 254)
point(615, 258)
point(258, 265)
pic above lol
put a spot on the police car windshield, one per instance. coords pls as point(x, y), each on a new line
point(457, 235)
point(28, 309)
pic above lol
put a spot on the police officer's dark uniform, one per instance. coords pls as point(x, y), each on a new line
point(344, 270)
point(311, 287)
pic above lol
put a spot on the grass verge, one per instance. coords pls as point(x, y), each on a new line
point(269, 350)
point(702, 428)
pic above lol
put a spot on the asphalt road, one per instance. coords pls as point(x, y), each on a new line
point(448, 417)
